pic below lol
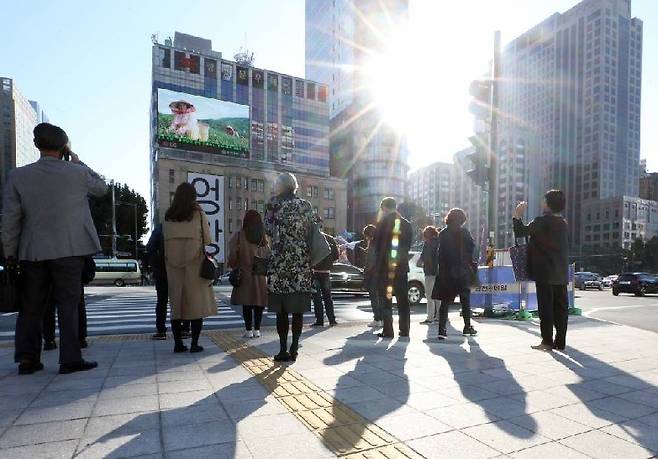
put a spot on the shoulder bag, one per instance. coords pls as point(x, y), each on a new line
point(519, 255)
point(318, 246)
point(208, 269)
point(235, 276)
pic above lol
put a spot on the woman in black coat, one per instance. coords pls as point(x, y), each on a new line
point(457, 271)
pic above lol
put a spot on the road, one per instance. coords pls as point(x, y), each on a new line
point(640, 312)
point(120, 310)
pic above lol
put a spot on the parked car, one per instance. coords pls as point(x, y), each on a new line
point(585, 280)
point(608, 280)
point(347, 279)
point(416, 291)
point(637, 283)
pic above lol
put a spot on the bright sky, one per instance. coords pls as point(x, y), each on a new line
point(89, 64)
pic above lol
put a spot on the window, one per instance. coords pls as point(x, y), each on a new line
point(238, 183)
point(172, 176)
point(254, 184)
point(316, 192)
point(261, 186)
point(246, 183)
point(230, 225)
point(230, 182)
point(246, 204)
point(230, 204)
point(309, 192)
point(329, 194)
point(310, 91)
point(329, 213)
point(322, 93)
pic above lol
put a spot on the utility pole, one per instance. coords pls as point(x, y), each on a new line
point(493, 139)
point(114, 223)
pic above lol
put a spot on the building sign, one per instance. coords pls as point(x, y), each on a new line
point(210, 66)
point(243, 75)
point(286, 86)
point(257, 79)
point(272, 82)
point(257, 134)
point(227, 72)
point(204, 124)
point(210, 197)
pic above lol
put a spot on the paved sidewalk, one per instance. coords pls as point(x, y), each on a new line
point(349, 394)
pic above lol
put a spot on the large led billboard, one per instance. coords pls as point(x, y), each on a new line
point(203, 124)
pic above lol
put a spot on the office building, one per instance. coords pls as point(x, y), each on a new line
point(431, 188)
point(340, 37)
point(569, 99)
point(17, 121)
point(618, 221)
point(649, 186)
point(230, 129)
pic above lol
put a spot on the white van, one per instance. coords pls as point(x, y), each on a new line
point(118, 272)
point(416, 280)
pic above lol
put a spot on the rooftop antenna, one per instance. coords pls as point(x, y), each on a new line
point(244, 57)
point(154, 38)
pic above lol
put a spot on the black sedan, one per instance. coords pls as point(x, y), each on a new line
point(636, 283)
point(347, 279)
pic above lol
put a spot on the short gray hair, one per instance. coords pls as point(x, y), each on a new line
point(287, 182)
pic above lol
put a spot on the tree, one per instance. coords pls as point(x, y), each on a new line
point(416, 216)
point(128, 202)
point(604, 260)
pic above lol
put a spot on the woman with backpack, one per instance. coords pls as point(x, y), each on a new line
point(248, 253)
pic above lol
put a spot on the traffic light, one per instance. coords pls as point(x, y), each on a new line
point(479, 171)
point(480, 106)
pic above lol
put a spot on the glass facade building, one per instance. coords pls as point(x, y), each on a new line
point(570, 111)
point(370, 154)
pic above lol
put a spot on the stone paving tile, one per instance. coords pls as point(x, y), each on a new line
point(16, 401)
point(575, 393)
point(8, 416)
point(232, 450)
point(466, 393)
point(458, 444)
point(588, 415)
point(129, 390)
point(66, 412)
point(45, 432)
point(195, 414)
point(463, 415)
point(605, 387)
point(180, 376)
point(503, 407)
point(238, 410)
point(183, 399)
point(48, 398)
point(541, 401)
point(504, 436)
point(647, 397)
point(302, 445)
point(413, 425)
point(126, 405)
point(252, 390)
point(651, 420)
point(550, 425)
point(635, 432)
point(120, 445)
point(271, 426)
point(357, 394)
point(376, 409)
point(61, 449)
point(622, 407)
point(424, 401)
point(117, 381)
point(122, 424)
point(603, 446)
point(174, 387)
point(548, 450)
point(180, 437)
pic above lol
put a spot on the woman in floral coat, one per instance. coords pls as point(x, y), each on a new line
point(287, 223)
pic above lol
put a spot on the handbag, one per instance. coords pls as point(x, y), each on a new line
point(519, 255)
point(9, 288)
point(235, 276)
point(208, 269)
point(318, 246)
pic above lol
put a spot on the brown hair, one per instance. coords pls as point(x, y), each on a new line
point(430, 232)
point(455, 218)
point(369, 230)
point(183, 205)
point(253, 227)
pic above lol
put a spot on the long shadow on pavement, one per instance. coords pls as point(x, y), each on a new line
point(467, 361)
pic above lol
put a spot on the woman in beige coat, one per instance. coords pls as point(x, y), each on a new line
point(186, 233)
point(248, 243)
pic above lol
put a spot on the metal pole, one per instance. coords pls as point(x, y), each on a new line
point(114, 224)
point(135, 214)
point(493, 138)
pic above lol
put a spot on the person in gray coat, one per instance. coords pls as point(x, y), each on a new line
point(47, 228)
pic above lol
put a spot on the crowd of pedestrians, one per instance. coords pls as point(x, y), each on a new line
point(48, 229)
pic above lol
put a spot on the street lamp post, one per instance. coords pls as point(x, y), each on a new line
point(134, 206)
point(114, 223)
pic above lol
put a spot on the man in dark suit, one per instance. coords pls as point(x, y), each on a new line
point(392, 244)
point(548, 266)
point(47, 227)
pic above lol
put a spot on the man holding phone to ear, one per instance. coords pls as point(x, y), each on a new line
point(48, 229)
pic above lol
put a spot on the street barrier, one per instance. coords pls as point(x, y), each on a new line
point(499, 292)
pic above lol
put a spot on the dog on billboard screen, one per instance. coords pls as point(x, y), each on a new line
point(185, 122)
